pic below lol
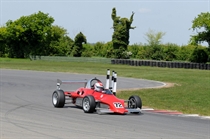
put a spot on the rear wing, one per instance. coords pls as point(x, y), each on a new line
point(59, 82)
point(90, 83)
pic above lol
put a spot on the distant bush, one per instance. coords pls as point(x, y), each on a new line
point(142, 53)
point(165, 52)
point(87, 50)
point(185, 52)
point(108, 50)
point(199, 55)
point(134, 49)
point(98, 49)
point(170, 51)
point(101, 49)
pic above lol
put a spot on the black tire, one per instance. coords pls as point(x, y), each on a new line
point(134, 102)
point(58, 98)
point(88, 104)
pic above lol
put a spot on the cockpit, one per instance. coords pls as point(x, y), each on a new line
point(90, 84)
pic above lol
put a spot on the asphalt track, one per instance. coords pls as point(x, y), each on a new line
point(26, 112)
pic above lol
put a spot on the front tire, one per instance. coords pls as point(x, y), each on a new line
point(58, 98)
point(88, 104)
point(134, 102)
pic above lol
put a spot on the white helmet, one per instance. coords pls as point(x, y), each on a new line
point(98, 87)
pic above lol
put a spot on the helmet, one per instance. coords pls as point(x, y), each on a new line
point(98, 87)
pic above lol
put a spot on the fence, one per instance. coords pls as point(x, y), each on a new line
point(168, 64)
point(152, 63)
point(71, 59)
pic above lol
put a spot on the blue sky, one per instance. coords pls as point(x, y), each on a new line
point(93, 17)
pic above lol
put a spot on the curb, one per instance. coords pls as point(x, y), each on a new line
point(168, 112)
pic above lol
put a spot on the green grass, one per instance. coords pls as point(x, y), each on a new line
point(191, 94)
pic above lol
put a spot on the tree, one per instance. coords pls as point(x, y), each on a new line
point(3, 46)
point(154, 48)
point(201, 24)
point(199, 55)
point(120, 37)
point(88, 50)
point(58, 42)
point(28, 34)
point(77, 46)
point(154, 38)
point(15, 40)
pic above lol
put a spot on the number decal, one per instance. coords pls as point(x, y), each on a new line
point(118, 105)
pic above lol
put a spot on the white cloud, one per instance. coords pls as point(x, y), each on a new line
point(144, 10)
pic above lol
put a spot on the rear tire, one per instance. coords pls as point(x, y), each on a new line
point(88, 104)
point(58, 98)
point(134, 102)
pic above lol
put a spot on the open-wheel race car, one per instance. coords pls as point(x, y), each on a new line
point(94, 97)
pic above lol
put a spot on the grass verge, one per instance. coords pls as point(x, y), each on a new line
point(190, 94)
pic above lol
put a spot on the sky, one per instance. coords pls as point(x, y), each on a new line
point(93, 17)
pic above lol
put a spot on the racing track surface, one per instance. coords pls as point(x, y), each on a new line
point(26, 112)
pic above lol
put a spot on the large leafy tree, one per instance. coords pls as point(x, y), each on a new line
point(120, 37)
point(58, 41)
point(77, 46)
point(28, 34)
point(3, 46)
point(201, 24)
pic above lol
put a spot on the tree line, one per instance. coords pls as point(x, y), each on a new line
point(36, 35)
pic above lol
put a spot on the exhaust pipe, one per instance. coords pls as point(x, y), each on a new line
point(112, 82)
point(113, 86)
point(107, 79)
point(115, 83)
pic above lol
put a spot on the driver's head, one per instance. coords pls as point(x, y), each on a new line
point(98, 87)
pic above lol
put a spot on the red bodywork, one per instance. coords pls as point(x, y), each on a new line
point(102, 102)
point(114, 104)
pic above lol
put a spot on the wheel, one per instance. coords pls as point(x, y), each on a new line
point(88, 104)
point(58, 98)
point(134, 102)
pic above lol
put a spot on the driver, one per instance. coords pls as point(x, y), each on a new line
point(98, 87)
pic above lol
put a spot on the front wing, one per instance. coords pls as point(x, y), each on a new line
point(129, 111)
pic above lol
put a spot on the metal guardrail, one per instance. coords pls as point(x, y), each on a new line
point(163, 64)
point(71, 59)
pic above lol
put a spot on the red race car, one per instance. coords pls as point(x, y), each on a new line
point(93, 97)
